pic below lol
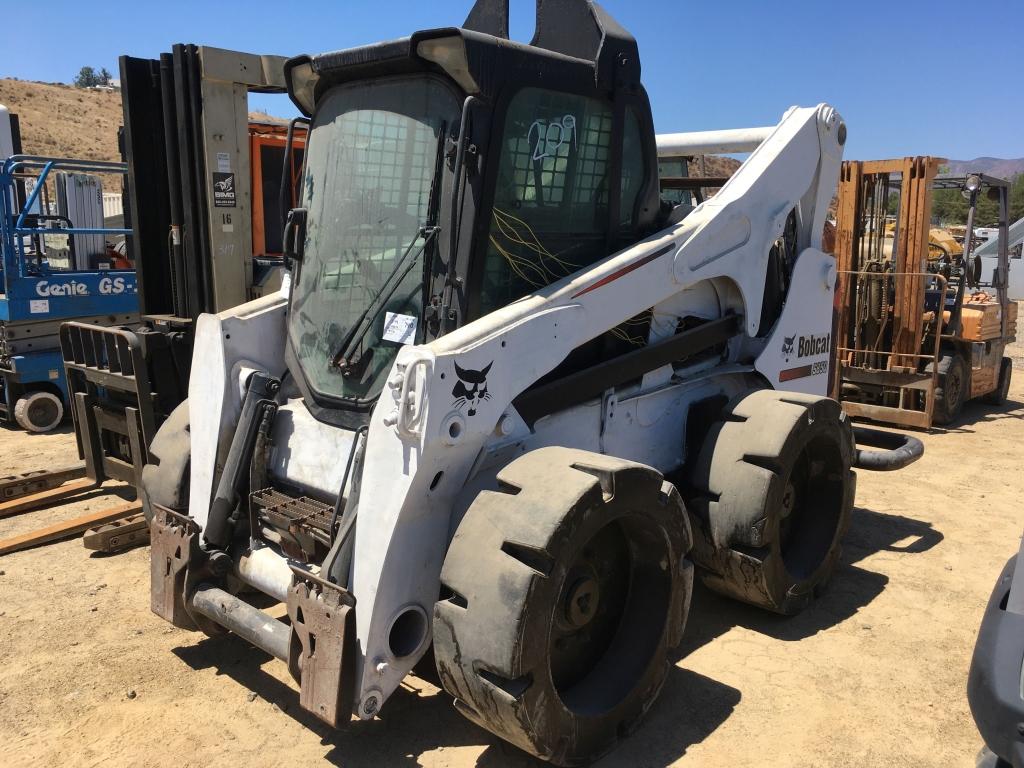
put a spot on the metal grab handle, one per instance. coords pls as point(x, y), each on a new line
point(899, 449)
point(410, 412)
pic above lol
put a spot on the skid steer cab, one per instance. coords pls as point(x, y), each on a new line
point(509, 403)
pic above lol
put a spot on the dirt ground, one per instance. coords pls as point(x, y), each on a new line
point(872, 675)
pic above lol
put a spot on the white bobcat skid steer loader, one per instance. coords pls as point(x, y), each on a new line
point(508, 396)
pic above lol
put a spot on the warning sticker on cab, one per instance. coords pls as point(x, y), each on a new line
point(399, 328)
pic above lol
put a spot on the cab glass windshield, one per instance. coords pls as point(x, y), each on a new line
point(358, 295)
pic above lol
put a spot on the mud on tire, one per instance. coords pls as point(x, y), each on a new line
point(772, 493)
point(566, 591)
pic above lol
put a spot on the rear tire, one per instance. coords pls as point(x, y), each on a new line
point(773, 497)
point(568, 589)
point(1002, 391)
point(951, 391)
point(165, 479)
point(39, 411)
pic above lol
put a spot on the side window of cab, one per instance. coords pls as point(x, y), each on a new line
point(550, 215)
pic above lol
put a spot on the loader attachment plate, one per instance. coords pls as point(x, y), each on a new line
point(323, 638)
point(174, 543)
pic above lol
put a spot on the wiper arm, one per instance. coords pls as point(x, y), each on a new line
point(361, 327)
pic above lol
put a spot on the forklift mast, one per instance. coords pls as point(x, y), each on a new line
point(188, 146)
point(206, 210)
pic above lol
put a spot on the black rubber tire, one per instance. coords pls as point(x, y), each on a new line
point(39, 411)
point(952, 388)
point(998, 395)
point(544, 641)
point(165, 479)
point(772, 451)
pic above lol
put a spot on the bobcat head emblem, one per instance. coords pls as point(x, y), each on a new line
point(471, 388)
point(787, 346)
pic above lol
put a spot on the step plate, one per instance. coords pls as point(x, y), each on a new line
point(304, 524)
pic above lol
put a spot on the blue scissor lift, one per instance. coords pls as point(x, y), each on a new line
point(38, 292)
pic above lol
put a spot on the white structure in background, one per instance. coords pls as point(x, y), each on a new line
point(988, 251)
point(80, 199)
point(6, 137)
point(113, 205)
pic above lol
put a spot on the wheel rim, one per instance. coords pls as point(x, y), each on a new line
point(42, 412)
point(609, 616)
point(811, 508)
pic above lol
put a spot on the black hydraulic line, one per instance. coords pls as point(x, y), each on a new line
point(456, 219)
point(179, 296)
point(250, 623)
point(348, 519)
point(339, 503)
point(898, 449)
point(205, 257)
point(260, 394)
point(258, 462)
point(190, 227)
point(956, 315)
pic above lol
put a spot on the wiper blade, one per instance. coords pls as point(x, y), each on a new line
point(361, 326)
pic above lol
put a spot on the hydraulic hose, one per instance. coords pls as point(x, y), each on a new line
point(898, 449)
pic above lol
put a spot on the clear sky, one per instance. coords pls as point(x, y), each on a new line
point(910, 76)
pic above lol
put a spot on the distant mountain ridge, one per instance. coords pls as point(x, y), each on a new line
point(993, 166)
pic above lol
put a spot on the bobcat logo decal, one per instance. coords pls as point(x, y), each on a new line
point(787, 346)
point(471, 388)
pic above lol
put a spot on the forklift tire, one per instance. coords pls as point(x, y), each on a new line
point(998, 395)
point(773, 493)
point(951, 391)
point(39, 411)
point(165, 478)
point(563, 595)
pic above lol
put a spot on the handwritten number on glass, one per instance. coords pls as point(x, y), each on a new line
point(546, 137)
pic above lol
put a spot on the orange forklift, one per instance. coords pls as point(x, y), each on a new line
point(919, 329)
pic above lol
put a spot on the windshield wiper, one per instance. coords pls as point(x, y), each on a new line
point(361, 326)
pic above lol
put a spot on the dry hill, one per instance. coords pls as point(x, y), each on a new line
point(63, 121)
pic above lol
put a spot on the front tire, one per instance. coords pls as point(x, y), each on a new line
point(165, 478)
point(951, 391)
point(567, 590)
point(773, 494)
